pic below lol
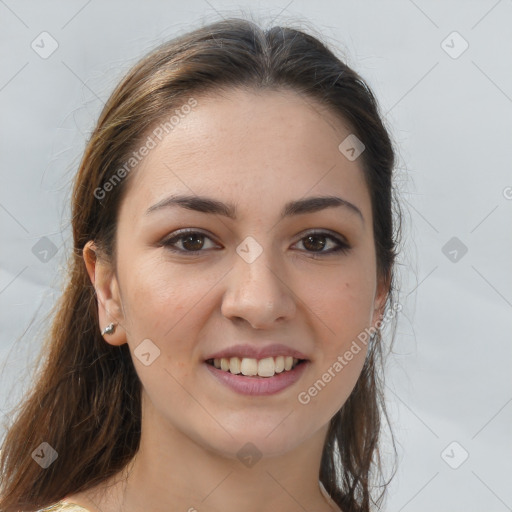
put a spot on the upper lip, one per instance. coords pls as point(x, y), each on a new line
point(257, 352)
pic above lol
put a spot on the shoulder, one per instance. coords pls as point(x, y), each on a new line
point(64, 507)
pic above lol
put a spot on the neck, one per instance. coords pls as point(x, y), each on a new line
point(173, 472)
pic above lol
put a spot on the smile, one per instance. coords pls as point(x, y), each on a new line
point(277, 373)
point(250, 367)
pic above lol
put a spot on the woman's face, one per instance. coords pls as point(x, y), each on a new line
point(253, 279)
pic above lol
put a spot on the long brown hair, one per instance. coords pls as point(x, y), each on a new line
point(85, 402)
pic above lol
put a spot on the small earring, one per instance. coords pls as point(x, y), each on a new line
point(109, 329)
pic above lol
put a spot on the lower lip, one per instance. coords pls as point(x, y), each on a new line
point(259, 386)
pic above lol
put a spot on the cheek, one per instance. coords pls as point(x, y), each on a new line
point(158, 293)
point(168, 303)
point(342, 301)
point(338, 381)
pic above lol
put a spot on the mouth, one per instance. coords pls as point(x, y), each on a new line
point(256, 368)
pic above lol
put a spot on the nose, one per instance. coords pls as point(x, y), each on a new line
point(258, 293)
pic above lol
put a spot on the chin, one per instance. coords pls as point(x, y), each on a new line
point(264, 441)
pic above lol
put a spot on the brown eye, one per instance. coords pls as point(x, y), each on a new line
point(316, 243)
point(193, 242)
point(190, 241)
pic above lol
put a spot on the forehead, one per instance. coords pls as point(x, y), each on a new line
point(246, 146)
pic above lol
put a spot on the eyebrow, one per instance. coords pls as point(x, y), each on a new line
point(212, 206)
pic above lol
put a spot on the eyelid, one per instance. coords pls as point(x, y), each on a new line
point(323, 231)
point(342, 243)
point(183, 232)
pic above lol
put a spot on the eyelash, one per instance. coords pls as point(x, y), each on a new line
point(342, 247)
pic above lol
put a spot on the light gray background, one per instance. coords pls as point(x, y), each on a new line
point(449, 378)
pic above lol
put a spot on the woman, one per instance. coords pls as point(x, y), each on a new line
point(218, 344)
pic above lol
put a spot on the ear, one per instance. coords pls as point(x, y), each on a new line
point(380, 302)
point(105, 283)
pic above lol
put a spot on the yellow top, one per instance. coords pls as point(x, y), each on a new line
point(64, 507)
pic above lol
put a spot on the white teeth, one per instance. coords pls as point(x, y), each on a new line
point(266, 367)
point(279, 364)
point(251, 367)
point(235, 366)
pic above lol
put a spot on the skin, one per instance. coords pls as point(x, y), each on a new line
point(258, 150)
